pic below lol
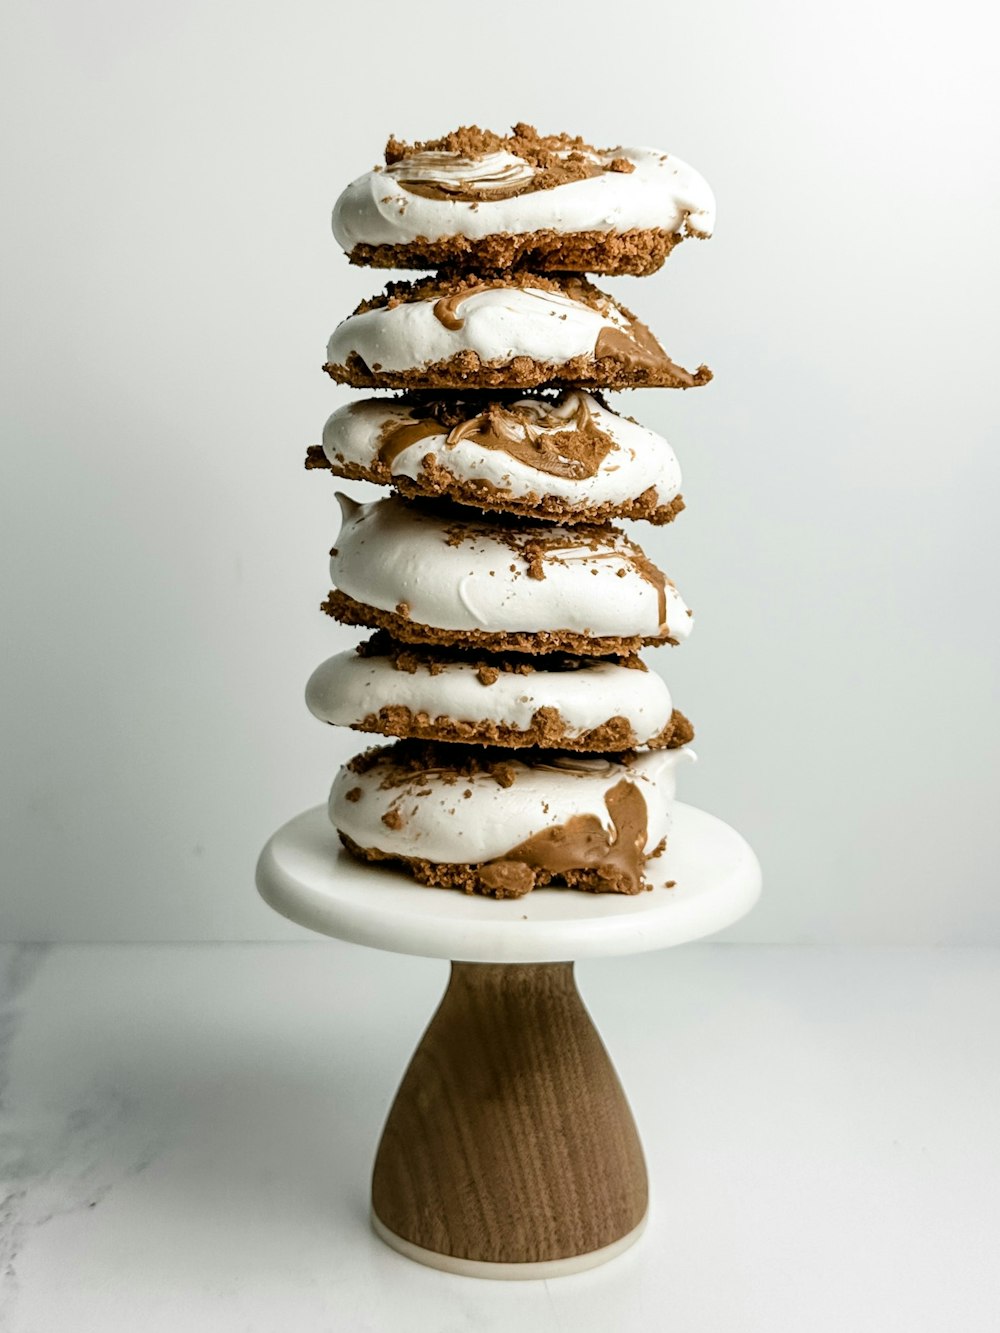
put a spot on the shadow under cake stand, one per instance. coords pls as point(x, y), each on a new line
point(510, 1150)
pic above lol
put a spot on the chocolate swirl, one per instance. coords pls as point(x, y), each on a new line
point(495, 176)
point(559, 440)
point(437, 175)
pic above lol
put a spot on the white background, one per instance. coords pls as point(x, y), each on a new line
point(168, 175)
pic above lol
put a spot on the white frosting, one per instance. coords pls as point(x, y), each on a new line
point(498, 324)
point(662, 192)
point(639, 460)
point(459, 574)
point(347, 688)
point(445, 825)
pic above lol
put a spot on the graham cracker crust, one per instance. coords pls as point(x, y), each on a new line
point(466, 370)
point(435, 483)
point(340, 606)
point(547, 730)
point(636, 252)
point(484, 880)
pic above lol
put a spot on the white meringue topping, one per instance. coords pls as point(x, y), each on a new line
point(662, 193)
point(348, 688)
point(470, 574)
point(438, 822)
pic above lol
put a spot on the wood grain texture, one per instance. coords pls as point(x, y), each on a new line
point(510, 1139)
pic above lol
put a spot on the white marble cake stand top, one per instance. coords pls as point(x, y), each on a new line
point(306, 875)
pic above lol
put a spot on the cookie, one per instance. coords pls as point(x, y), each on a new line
point(489, 822)
point(568, 458)
point(433, 574)
point(557, 702)
point(516, 331)
point(488, 202)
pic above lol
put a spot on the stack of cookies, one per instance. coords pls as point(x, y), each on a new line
point(508, 611)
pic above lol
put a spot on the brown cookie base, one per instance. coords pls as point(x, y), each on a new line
point(547, 730)
point(435, 483)
point(344, 608)
point(466, 370)
point(638, 252)
point(470, 878)
point(411, 657)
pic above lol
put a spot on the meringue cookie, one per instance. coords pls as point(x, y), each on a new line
point(571, 587)
point(510, 332)
point(570, 457)
point(395, 805)
point(473, 186)
point(589, 703)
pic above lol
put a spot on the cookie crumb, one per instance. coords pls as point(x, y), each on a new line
point(506, 879)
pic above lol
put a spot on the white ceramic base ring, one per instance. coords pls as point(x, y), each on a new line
point(448, 1263)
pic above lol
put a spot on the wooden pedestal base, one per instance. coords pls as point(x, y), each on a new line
point(510, 1150)
point(510, 1141)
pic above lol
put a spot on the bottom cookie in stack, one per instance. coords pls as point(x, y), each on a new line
point(488, 821)
point(495, 786)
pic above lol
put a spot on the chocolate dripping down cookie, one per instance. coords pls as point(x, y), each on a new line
point(502, 823)
point(473, 199)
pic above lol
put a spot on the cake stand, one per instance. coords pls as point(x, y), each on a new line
point(510, 1150)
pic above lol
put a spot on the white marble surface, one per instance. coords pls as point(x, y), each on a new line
point(188, 1130)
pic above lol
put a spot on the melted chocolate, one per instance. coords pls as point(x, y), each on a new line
point(436, 174)
point(645, 568)
point(399, 435)
point(541, 437)
point(582, 843)
point(560, 441)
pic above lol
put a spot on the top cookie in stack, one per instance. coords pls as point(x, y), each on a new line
point(534, 745)
point(485, 202)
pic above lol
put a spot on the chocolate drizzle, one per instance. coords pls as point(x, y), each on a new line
point(471, 165)
point(540, 545)
point(446, 307)
point(561, 440)
point(438, 175)
point(645, 568)
point(582, 843)
point(631, 344)
point(558, 439)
